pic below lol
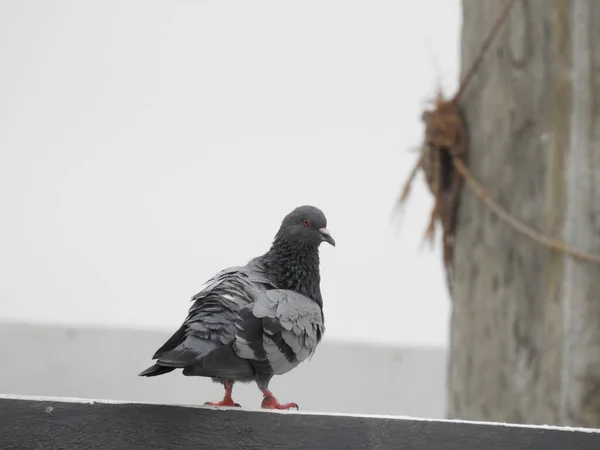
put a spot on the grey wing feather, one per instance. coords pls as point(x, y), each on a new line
point(211, 318)
point(291, 327)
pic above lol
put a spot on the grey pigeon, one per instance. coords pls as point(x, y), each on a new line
point(252, 322)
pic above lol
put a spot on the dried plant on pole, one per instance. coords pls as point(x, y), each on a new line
point(444, 152)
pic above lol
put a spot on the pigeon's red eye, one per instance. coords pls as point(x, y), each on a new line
point(306, 222)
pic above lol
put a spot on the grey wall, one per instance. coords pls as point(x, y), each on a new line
point(103, 364)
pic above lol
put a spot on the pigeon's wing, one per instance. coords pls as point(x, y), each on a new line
point(210, 323)
point(278, 331)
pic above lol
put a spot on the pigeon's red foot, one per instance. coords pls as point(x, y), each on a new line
point(227, 400)
point(270, 402)
point(224, 402)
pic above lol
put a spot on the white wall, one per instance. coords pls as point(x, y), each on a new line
point(104, 363)
point(146, 144)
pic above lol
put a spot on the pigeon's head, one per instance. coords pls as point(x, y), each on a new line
point(306, 224)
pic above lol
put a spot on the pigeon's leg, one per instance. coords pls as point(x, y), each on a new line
point(227, 400)
point(270, 402)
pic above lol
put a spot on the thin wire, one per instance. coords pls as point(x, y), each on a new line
point(484, 49)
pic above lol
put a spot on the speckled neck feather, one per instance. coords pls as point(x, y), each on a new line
point(293, 264)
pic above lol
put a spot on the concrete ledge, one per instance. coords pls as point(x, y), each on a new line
point(53, 423)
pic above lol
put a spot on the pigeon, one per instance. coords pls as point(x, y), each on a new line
point(252, 322)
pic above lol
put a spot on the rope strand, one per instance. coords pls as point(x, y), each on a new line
point(484, 196)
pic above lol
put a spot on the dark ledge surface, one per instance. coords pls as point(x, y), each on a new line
point(55, 423)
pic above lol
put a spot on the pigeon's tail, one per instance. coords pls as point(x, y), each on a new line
point(155, 370)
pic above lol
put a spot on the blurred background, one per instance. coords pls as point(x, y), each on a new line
point(145, 145)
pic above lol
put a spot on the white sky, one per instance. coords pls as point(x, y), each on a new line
point(145, 145)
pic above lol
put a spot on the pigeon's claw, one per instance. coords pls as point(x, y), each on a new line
point(270, 402)
point(273, 403)
point(224, 402)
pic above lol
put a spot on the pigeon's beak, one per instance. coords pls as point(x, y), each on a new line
point(326, 236)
